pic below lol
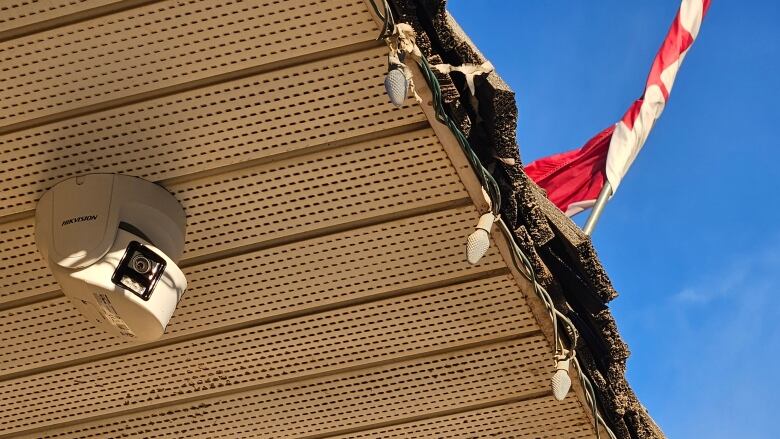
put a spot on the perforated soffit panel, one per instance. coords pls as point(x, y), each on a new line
point(328, 292)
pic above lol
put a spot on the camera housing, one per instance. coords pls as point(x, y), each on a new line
point(112, 242)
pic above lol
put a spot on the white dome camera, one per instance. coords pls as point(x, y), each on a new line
point(112, 242)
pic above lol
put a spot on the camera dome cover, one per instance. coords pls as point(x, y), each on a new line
point(77, 219)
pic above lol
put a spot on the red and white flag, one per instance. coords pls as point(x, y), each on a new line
point(574, 179)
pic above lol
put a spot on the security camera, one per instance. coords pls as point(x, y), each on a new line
point(112, 242)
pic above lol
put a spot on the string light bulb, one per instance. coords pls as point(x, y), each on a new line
point(478, 242)
point(396, 81)
point(561, 381)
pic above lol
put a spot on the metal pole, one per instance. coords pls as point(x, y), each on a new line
point(595, 214)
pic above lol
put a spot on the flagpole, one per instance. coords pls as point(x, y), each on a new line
point(595, 214)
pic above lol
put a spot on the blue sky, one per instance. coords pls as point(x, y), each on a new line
point(692, 239)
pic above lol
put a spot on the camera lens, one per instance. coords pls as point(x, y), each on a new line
point(141, 264)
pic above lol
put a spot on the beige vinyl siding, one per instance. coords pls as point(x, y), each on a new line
point(328, 289)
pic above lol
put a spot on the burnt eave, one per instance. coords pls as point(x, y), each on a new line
point(564, 257)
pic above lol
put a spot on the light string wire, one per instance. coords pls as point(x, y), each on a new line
point(388, 23)
point(519, 259)
point(487, 180)
point(523, 264)
point(525, 268)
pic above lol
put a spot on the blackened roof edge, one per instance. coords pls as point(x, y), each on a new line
point(563, 256)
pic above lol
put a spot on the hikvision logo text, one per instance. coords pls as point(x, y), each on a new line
point(79, 219)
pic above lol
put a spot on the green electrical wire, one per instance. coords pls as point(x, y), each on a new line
point(485, 178)
point(388, 24)
point(519, 259)
point(526, 269)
